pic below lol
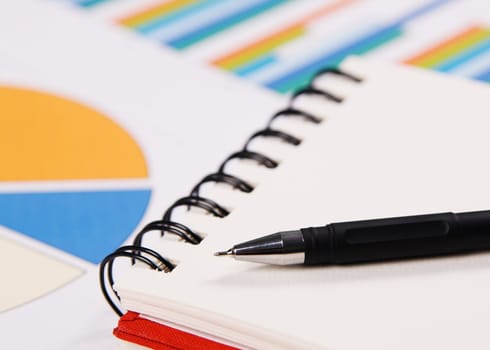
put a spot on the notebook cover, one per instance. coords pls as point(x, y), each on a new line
point(133, 328)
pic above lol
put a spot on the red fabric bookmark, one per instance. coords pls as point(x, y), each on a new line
point(133, 328)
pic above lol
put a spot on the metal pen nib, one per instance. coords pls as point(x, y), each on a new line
point(227, 252)
point(282, 248)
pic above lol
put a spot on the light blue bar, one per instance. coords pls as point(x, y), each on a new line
point(422, 10)
point(485, 76)
point(222, 24)
point(283, 65)
point(202, 18)
point(474, 67)
point(182, 14)
point(464, 57)
point(255, 65)
point(89, 3)
point(353, 47)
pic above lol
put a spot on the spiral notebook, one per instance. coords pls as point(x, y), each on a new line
point(369, 140)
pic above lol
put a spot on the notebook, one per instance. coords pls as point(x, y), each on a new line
point(392, 141)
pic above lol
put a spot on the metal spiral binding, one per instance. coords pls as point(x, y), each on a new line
point(138, 252)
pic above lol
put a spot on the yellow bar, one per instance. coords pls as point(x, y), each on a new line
point(447, 49)
point(254, 50)
point(153, 12)
point(257, 49)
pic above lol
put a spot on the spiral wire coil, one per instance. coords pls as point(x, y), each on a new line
point(138, 252)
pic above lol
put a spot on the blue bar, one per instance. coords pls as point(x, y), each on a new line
point(421, 11)
point(464, 57)
point(177, 15)
point(485, 76)
point(203, 32)
point(287, 63)
point(89, 3)
point(255, 65)
point(354, 47)
point(474, 67)
point(201, 19)
point(334, 57)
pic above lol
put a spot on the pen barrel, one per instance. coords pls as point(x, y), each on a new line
point(397, 238)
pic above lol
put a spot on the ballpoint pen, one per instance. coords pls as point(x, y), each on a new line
point(371, 240)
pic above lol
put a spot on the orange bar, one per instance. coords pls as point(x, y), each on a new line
point(260, 47)
point(324, 11)
point(152, 12)
point(220, 61)
point(433, 50)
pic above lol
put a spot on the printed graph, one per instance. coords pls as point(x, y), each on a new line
point(51, 139)
point(285, 55)
point(465, 53)
point(66, 182)
point(296, 70)
point(181, 24)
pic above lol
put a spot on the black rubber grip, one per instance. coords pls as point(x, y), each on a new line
point(397, 238)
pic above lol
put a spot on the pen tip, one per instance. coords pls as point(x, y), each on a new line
point(228, 252)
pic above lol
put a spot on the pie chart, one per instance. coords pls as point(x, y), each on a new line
point(72, 181)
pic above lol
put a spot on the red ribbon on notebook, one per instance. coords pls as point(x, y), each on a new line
point(133, 328)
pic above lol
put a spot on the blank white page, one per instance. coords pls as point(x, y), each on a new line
point(406, 142)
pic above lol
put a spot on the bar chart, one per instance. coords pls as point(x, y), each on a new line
point(466, 53)
point(297, 38)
